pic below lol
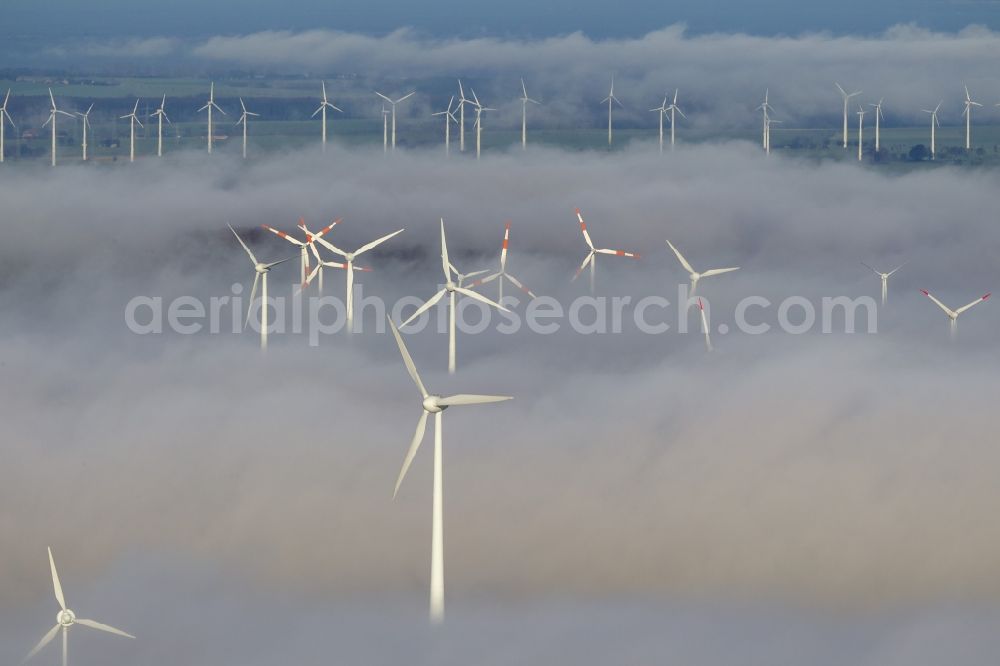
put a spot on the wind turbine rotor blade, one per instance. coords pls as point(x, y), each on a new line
point(479, 297)
point(871, 269)
point(431, 302)
point(842, 91)
point(375, 243)
point(330, 246)
point(282, 234)
point(407, 96)
point(619, 253)
point(472, 274)
point(281, 261)
point(973, 303)
point(680, 112)
point(384, 97)
point(411, 453)
point(407, 360)
point(583, 266)
point(719, 271)
point(445, 264)
point(103, 627)
point(253, 295)
point(46, 639)
point(56, 585)
point(583, 229)
point(941, 305)
point(893, 271)
point(680, 258)
point(518, 284)
point(52, 98)
point(487, 279)
point(470, 399)
point(704, 326)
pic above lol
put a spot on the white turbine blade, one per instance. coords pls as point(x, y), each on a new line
point(479, 297)
point(56, 585)
point(445, 264)
point(896, 269)
point(619, 253)
point(469, 399)
point(335, 108)
point(473, 274)
point(583, 229)
point(330, 246)
point(281, 261)
point(842, 91)
point(278, 232)
point(53, 99)
point(374, 243)
point(252, 258)
point(103, 627)
point(704, 326)
point(487, 279)
point(589, 258)
point(973, 303)
point(202, 108)
point(524, 90)
point(407, 96)
point(941, 305)
point(875, 271)
point(309, 278)
point(46, 639)
point(680, 112)
point(253, 295)
point(431, 302)
point(407, 360)
point(321, 107)
point(411, 453)
point(518, 284)
point(384, 97)
point(680, 258)
point(719, 271)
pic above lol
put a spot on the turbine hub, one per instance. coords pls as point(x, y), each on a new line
point(261, 268)
point(431, 404)
point(66, 618)
point(450, 286)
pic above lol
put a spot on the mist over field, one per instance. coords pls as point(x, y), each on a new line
point(815, 498)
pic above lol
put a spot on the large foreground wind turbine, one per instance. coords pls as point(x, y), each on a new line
point(935, 123)
point(591, 258)
point(243, 121)
point(968, 118)
point(324, 105)
point(4, 118)
point(160, 115)
point(85, 122)
point(53, 112)
point(66, 618)
point(452, 289)
point(260, 269)
point(847, 99)
point(878, 125)
point(611, 100)
point(524, 114)
point(434, 404)
point(209, 105)
point(350, 268)
point(953, 314)
point(393, 105)
point(695, 275)
point(449, 117)
point(502, 273)
point(885, 279)
point(133, 119)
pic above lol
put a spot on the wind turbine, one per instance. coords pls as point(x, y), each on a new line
point(52, 119)
point(462, 101)
point(85, 119)
point(434, 404)
point(847, 98)
point(953, 314)
point(885, 279)
point(304, 246)
point(133, 119)
point(393, 105)
point(3, 128)
point(502, 273)
point(935, 123)
point(310, 237)
point(243, 121)
point(611, 99)
point(878, 125)
point(704, 326)
point(160, 115)
point(66, 618)
point(451, 288)
point(695, 275)
point(448, 118)
point(209, 105)
point(861, 129)
point(766, 108)
point(591, 257)
point(968, 118)
point(524, 115)
point(260, 269)
point(770, 121)
point(350, 267)
point(479, 121)
point(662, 110)
point(674, 110)
point(324, 105)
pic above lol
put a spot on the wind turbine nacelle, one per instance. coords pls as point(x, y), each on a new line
point(431, 404)
point(66, 618)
